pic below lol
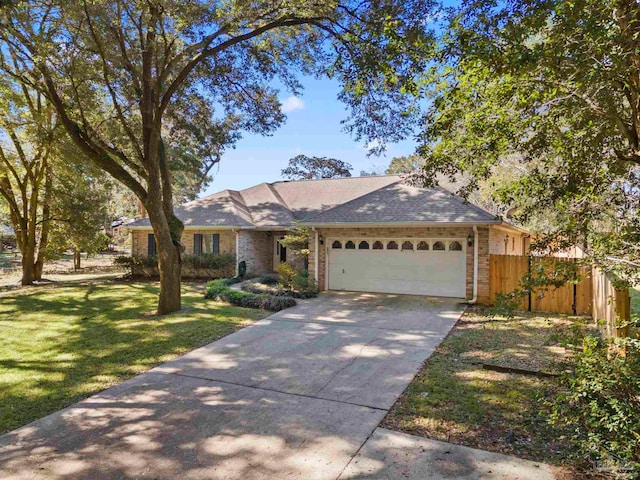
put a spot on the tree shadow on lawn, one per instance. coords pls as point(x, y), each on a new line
point(76, 341)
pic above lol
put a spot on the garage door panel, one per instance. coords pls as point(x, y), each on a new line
point(406, 272)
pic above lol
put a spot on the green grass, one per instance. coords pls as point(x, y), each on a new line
point(454, 399)
point(59, 345)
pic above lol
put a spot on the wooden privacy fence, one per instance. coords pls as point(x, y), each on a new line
point(610, 305)
point(593, 294)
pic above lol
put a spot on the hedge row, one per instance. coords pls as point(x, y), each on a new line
point(206, 260)
point(219, 290)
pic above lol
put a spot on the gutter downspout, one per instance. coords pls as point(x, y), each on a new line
point(475, 266)
point(316, 255)
point(237, 232)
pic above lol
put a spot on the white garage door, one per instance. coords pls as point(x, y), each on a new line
point(410, 266)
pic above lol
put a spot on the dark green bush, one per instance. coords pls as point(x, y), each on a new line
point(209, 260)
point(219, 290)
point(123, 260)
point(145, 260)
point(601, 405)
point(303, 287)
point(136, 260)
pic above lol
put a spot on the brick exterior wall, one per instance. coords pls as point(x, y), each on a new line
point(515, 243)
point(227, 240)
point(256, 248)
point(408, 233)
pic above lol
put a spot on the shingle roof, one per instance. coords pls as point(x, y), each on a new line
point(265, 206)
point(222, 209)
point(375, 199)
point(309, 197)
point(401, 203)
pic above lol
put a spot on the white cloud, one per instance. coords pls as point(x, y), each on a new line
point(372, 145)
point(292, 103)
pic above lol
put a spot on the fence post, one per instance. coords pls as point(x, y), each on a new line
point(529, 275)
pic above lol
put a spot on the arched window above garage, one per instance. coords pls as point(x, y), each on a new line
point(350, 245)
point(407, 245)
point(363, 245)
point(423, 245)
point(377, 245)
point(336, 244)
point(392, 245)
point(455, 247)
point(438, 245)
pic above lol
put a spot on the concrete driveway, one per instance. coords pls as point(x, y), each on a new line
point(295, 395)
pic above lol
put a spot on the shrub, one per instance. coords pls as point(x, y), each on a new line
point(300, 287)
point(213, 261)
point(123, 260)
point(219, 290)
point(146, 260)
point(301, 284)
point(600, 405)
point(285, 273)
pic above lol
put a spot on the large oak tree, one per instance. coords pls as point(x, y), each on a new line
point(123, 74)
point(554, 88)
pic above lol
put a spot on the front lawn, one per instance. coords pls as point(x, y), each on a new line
point(455, 399)
point(61, 344)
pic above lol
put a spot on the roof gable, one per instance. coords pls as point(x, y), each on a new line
point(402, 203)
point(310, 197)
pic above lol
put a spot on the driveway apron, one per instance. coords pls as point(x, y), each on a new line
point(295, 395)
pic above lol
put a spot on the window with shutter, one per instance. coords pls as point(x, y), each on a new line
point(197, 244)
point(151, 244)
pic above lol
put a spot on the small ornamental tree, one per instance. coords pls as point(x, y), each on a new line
point(297, 239)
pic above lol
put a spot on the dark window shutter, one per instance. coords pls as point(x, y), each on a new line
point(197, 243)
point(151, 244)
point(215, 242)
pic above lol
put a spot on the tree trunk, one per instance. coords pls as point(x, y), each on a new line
point(76, 259)
point(46, 217)
point(167, 233)
point(37, 269)
point(28, 265)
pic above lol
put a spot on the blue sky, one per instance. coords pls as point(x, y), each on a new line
point(312, 128)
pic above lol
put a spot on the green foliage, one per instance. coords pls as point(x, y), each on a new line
point(136, 260)
point(209, 260)
point(303, 286)
point(408, 164)
point(600, 405)
point(297, 239)
point(219, 290)
point(300, 287)
point(550, 88)
point(286, 272)
point(302, 167)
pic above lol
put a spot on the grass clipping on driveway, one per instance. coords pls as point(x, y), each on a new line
point(59, 345)
point(455, 399)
